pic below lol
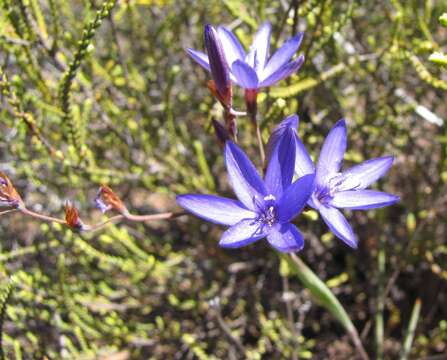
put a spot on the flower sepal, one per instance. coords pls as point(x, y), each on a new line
point(72, 219)
point(9, 197)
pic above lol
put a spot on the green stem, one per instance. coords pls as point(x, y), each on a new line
point(411, 330)
point(380, 300)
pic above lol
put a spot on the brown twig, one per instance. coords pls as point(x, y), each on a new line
point(99, 226)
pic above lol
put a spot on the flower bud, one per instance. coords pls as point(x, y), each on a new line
point(220, 71)
point(221, 133)
point(72, 217)
point(9, 197)
point(251, 96)
point(107, 200)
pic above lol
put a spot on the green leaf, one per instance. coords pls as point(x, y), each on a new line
point(321, 292)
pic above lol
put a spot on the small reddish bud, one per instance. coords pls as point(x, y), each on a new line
point(107, 200)
point(9, 197)
point(251, 96)
point(72, 217)
point(225, 99)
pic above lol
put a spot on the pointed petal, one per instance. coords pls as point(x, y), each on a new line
point(281, 165)
point(332, 152)
point(216, 209)
point(200, 58)
point(243, 233)
point(245, 180)
point(218, 62)
point(363, 199)
point(290, 121)
point(246, 77)
point(361, 176)
point(303, 162)
point(282, 72)
point(231, 45)
point(338, 224)
point(294, 198)
point(285, 238)
point(260, 47)
point(282, 55)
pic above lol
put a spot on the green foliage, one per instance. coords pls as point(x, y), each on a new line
point(85, 46)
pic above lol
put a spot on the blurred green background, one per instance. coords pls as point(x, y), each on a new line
point(94, 97)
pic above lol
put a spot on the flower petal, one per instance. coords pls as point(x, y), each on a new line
point(245, 180)
point(338, 224)
point(216, 209)
point(200, 58)
point(332, 152)
point(290, 121)
point(285, 238)
point(231, 45)
point(243, 233)
point(362, 175)
point(259, 49)
point(303, 163)
point(282, 55)
point(245, 76)
point(281, 165)
point(362, 199)
point(283, 72)
point(294, 198)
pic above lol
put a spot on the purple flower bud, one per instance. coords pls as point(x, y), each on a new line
point(218, 65)
point(221, 133)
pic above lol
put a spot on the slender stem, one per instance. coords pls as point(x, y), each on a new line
point(41, 216)
point(227, 331)
point(260, 142)
point(358, 344)
point(102, 225)
point(251, 96)
point(8, 211)
point(380, 300)
point(289, 310)
point(411, 330)
point(153, 217)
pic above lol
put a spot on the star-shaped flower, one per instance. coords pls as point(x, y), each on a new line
point(254, 69)
point(265, 207)
point(336, 189)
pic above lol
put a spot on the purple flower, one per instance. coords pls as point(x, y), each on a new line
point(265, 207)
point(254, 69)
point(336, 189)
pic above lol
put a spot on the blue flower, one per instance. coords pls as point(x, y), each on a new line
point(265, 207)
point(336, 189)
point(254, 69)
